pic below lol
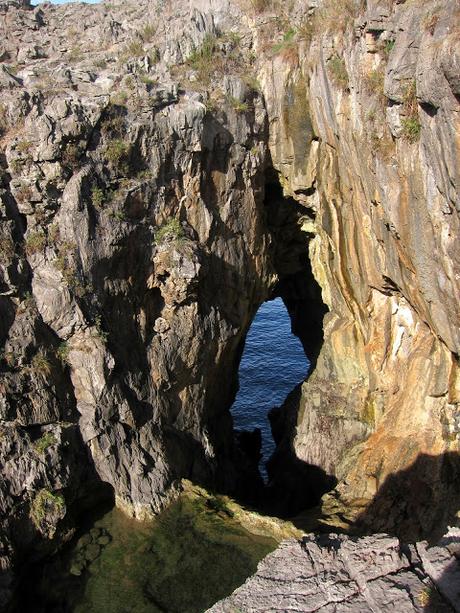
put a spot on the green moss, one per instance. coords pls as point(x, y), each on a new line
point(219, 505)
point(45, 504)
point(47, 440)
point(171, 231)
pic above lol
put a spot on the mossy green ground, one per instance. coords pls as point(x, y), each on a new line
point(184, 561)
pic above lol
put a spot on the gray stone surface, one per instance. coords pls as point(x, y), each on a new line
point(337, 573)
point(121, 339)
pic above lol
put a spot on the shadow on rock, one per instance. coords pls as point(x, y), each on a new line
point(417, 503)
point(294, 485)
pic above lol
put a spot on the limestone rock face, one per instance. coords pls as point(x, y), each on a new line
point(334, 572)
point(364, 124)
point(134, 255)
point(138, 142)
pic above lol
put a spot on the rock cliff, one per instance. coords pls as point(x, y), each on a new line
point(364, 120)
point(167, 167)
point(134, 255)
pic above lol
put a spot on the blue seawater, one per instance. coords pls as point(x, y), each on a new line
point(273, 363)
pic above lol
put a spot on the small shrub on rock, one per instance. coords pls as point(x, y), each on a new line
point(117, 153)
point(411, 126)
point(62, 353)
point(97, 197)
point(202, 59)
point(47, 440)
point(35, 242)
point(171, 231)
point(411, 129)
point(40, 363)
point(338, 71)
point(46, 509)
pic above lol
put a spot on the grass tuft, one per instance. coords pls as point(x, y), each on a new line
point(171, 231)
point(47, 440)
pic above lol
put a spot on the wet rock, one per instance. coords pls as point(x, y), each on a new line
point(92, 551)
point(83, 541)
point(95, 533)
point(77, 568)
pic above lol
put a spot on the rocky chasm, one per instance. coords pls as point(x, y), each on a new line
point(165, 169)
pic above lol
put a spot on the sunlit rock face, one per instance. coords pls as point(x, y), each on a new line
point(135, 254)
point(364, 124)
point(138, 143)
point(342, 573)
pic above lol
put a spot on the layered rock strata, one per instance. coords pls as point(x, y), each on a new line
point(364, 121)
point(134, 255)
point(142, 225)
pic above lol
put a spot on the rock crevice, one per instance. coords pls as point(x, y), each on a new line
point(153, 180)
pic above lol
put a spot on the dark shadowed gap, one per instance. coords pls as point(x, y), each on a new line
point(293, 485)
point(273, 363)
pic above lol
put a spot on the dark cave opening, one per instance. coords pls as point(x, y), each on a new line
point(273, 362)
point(297, 285)
point(293, 485)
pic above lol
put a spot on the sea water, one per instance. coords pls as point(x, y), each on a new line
point(273, 363)
point(183, 561)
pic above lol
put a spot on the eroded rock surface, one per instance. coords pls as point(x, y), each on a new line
point(134, 254)
point(364, 123)
point(334, 572)
point(138, 143)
